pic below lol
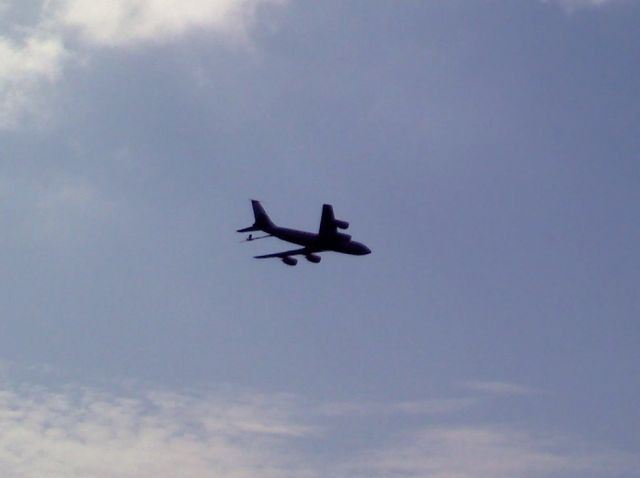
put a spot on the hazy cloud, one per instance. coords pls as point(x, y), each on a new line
point(500, 388)
point(53, 206)
point(421, 407)
point(27, 66)
point(572, 5)
point(84, 432)
point(489, 452)
point(144, 431)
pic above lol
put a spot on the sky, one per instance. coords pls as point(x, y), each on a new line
point(486, 152)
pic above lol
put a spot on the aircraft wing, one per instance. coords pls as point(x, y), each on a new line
point(282, 255)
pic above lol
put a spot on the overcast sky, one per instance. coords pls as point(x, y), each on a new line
point(487, 152)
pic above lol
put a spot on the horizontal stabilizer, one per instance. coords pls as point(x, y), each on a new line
point(249, 229)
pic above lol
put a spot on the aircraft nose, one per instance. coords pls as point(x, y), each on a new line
point(363, 250)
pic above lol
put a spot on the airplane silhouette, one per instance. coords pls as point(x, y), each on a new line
point(328, 237)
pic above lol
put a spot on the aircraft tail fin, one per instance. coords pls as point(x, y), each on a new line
point(262, 222)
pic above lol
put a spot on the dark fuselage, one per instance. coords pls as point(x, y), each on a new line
point(316, 243)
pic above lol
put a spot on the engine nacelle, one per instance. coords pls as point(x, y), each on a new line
point(313, 258)
point(341, 224)
point(290, 261)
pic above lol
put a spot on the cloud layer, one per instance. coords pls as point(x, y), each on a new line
point(79, 431)
point(82, 432)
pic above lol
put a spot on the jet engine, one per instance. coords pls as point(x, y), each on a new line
point(313, 258)
point(290, 261)
point(341, 224)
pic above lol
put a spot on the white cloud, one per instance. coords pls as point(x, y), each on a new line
point(25, 67)
point(122, 22)
point(82, 432)
point(36, 59)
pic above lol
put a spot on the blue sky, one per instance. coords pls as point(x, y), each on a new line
point(487, 153)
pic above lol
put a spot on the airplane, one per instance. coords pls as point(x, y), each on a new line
point(328, 237)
